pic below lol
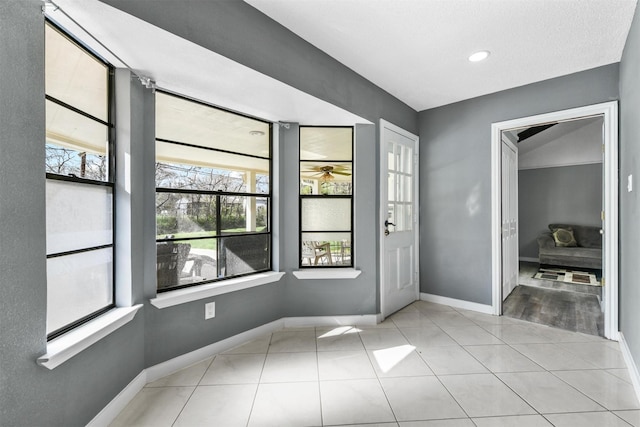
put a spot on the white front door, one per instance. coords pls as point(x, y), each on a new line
point(399, 218)
point(509, 218)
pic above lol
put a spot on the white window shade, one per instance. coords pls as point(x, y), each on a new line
point(330, 214)
point(78, 216)
point(74, 77)
point(69, 129)
point(78, 285)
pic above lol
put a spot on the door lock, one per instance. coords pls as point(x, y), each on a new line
point(386, 226)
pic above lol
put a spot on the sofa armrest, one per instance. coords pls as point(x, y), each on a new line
point(545, 240)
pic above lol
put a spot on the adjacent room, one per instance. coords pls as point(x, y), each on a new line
point(560, 190)
point(319, 213)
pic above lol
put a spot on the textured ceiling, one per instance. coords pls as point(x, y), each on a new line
point(417, 49)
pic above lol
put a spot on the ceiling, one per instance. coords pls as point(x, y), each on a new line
point(551, 134)
point(417, 50)
point(414, 49)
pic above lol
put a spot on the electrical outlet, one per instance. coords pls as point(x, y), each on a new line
point(209, 310)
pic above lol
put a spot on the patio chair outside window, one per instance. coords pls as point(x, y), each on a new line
point(316, 251)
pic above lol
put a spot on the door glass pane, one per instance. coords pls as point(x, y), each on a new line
point(408, 190)
point(407, 164)
point(78, 216)
point(78, 285)
point(391, 190)
point(408, 215)
point(391, 164)
point(401, 188)
point(400, 218)
point(391, 214)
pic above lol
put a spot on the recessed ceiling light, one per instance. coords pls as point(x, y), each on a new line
point(479, 56)
point(256, 133)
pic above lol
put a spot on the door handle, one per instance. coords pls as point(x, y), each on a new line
point(386, 226)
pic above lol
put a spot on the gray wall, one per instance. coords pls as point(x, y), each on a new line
point(334, 297)
point(569, 195)
point(630, 202)
point(31, 395)
point(73, 393)
point(455, 176)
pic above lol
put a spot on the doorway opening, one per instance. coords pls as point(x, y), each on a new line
point(563, 166)
point(558, 191)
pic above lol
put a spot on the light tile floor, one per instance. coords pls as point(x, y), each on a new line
point(428, 365)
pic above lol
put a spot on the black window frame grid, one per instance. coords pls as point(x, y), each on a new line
point(219, 235)
point(327, 196)
point(110, 181)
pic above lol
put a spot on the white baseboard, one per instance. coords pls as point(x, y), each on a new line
point(631, 365)
point(185, 360)
point(301, 322)
point(111, 411)
point(466, 305)
point(529, 259)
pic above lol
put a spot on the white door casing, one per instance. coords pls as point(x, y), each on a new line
point(609, 112)
point(399, 279)
point(509, 217)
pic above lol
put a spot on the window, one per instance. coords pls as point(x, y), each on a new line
point(213, 193)
point(326, 196)
point(79, 186)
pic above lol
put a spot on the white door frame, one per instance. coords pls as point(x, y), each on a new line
point(383, 209)
point(609, 112)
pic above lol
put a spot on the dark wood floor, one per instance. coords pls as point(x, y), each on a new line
point(570, 310)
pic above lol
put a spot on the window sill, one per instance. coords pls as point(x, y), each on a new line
point(327, 273)
point(195, 293)
point(68, 345)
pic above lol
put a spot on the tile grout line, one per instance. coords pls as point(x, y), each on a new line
point(378, 377)
point(192, 391)
point(318, 376)
point(436, 375)
point(255, 394)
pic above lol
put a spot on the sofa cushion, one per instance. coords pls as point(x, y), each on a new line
point(564, 237)
point(586, 236)
point(572, 257)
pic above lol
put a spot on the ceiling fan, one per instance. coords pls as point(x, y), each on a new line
point(326, 172)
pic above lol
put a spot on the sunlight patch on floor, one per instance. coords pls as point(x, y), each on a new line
point(343, 330)
point(389, 357)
